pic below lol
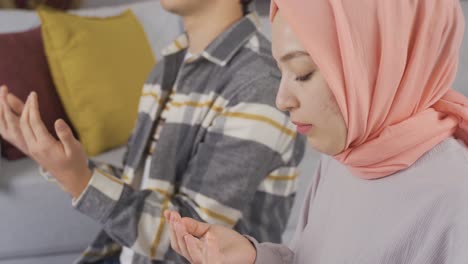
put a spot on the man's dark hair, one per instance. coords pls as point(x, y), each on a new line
point(245, 6)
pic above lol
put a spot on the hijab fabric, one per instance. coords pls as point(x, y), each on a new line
point(390, 65)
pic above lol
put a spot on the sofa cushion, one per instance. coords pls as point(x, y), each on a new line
point(24, 68)
point(98, 66)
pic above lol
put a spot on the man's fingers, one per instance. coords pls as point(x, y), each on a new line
point(16, 105)
point(39, 129)
point(3, 121)
point(66, 136)
point(3, 91)
point(11, 100)
point(12, 121)
point(25, 126)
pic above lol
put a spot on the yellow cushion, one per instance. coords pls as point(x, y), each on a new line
point(98, 66)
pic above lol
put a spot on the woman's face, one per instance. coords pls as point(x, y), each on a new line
point(305, 94)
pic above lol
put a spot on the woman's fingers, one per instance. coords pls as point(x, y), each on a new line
point(174, 244)
point(194, 248)
point(192, 239)
point(211, 252)
point(181, 232)
point(194, 227)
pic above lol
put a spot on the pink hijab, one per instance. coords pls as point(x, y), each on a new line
point(390, 65)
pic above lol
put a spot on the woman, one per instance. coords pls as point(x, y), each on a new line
point(369, 83)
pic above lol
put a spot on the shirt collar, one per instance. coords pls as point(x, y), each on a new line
point(222, 48)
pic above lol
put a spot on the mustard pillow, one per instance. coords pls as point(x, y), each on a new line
point(98, 66)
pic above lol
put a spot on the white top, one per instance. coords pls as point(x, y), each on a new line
point(416, 216)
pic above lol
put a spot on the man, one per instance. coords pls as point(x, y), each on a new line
point(208, 143)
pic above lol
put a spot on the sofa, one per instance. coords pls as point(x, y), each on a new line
point(37, 222)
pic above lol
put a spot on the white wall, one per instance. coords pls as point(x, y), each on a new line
point(461, 83)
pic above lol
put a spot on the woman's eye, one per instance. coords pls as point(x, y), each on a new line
point(304, 78)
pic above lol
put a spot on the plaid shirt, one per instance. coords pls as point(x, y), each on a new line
point(225, 154)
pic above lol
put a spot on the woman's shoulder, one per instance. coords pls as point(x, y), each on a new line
point(448, 159)
point(445, 167)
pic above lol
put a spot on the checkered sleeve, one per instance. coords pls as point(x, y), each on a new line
point(249, 147)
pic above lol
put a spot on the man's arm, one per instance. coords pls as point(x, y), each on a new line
point(245, 144)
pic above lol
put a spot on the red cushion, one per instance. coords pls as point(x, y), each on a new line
point(60, 4)
point(24, 68)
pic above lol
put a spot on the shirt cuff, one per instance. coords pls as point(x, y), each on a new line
point(100, 196)
point(46, 175)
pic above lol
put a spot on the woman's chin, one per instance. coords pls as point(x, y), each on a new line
point(325, 146)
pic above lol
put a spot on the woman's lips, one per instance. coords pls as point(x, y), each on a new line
point(302, 128)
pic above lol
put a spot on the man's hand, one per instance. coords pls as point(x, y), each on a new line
point(65, 158)
point(10, 111)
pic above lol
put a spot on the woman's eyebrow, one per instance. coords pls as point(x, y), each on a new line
point(292, 55)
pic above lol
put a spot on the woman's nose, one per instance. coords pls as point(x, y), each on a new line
point(285, 99)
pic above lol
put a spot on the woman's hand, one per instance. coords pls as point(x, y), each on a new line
point(202, 243)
